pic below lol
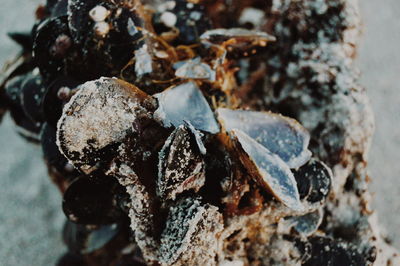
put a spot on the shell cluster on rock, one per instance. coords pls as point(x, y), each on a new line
point(198, 132)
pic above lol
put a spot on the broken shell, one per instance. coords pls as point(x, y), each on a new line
point(181, 164)
point(269, 170)
point(98, 117)
point(182, 103)
point(280, 135)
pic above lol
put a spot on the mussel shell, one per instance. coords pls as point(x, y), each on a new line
point(191, 22)
point(26, 127)
point(49, 56)
point(32, 94)
point(326, 251)
point(314, 181)
point(83, 239)
point(24, 39)
point(107, 54)
point(52, 154)
point(52, 105)
point(92, 200)
point(69, 259)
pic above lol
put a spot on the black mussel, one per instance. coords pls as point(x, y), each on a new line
point(13, 91)
point(13, 96)
point(92, 200)
point(109, 33)
point(85, 239)
point(313, 181)
point(69, 259)
point(24, 39)
point(52, 46)
point(60, 8)
point(52, 154)
point(57, 94)
point(189, 19)
point(32, 94)
point(326, 251)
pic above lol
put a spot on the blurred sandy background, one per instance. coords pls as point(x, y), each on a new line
point(30, 207)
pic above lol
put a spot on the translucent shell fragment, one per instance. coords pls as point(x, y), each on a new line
point(190, 234)
point(181, 164)
point(280, 135)
point(270, 171)
point(185, 103)
point(101, 114)
point(194, 69)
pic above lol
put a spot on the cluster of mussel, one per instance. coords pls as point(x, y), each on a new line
point(140, 124)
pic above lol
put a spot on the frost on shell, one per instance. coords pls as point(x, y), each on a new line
point(98, 116)
point(181, 164)
point(185, 103)
point(269, 170)
point(280, 135)
point(190, 235)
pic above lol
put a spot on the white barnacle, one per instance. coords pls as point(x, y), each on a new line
point(99, 13)
point(101, 28)
point(169, 19)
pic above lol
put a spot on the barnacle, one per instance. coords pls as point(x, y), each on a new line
point(199, 132)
